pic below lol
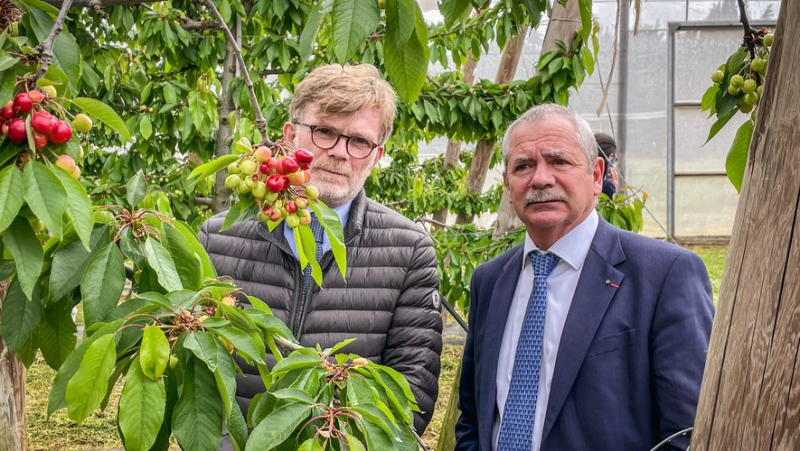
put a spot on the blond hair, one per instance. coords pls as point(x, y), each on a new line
point(339, 89)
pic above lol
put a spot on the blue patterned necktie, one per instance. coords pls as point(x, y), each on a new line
point(317, 230)
point(516, 426)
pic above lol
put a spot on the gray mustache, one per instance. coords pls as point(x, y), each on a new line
point(545, 195)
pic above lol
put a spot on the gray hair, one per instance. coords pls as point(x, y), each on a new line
point(583, 132)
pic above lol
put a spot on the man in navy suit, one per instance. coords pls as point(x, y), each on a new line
point(586, 337)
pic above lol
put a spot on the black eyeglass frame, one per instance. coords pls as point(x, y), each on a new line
point(339, 136)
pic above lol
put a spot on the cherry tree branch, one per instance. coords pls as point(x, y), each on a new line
point(748, 30)
point(261, 123)
point(46, 47)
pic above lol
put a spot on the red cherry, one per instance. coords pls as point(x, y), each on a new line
point(44, 122)
point(23, 103)
point(307, 175)
point(17, 133)
point(303, 156)
point(7, 112)
point(267, 210)
point(304, 166)
point(264, 168)
point(289, 165)
point(275, 183)
point(39, 140)
point(297, 178)
point(290, 206)
point(61, 133)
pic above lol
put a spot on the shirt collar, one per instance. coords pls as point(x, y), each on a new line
point(571, 248)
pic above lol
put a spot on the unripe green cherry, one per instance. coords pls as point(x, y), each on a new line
point(173, 361)
point(737, 81)
point(103, 216)
point(82, 123)
point(751, 98)
point(36, 224)
point(749, 86)
point(248, 167)
point(270, 197)
point(312, 192)
point(733, 90)
point(50, 90)
point(262, 217)
point(768, 38)
point(745, 108)
point(759, 90)
point(233, 168)
point(233, 181)
point(718, 76)
point(292, 221)
point(759, 65)
point(259, 190)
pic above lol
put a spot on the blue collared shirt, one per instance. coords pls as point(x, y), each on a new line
point(344, 214)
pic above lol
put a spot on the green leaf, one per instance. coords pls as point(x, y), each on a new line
point(293, 394)
point(213, 166)
point(57, 398)
point(310, 32)
point(333, 229)
point(294, 361)
point(11, 191)
point(355, 444)
point(338, 346)
point(79, 206)
point(198, 416)
point(244, 344)
point(89, 384)
point(45, 196)
point(736, 162)
point(278, 426)
point(56, 334)
point(194, 244)
point(102, 283)
point(311, 445)
point(709, 97)
point(454, 11)
point(585, 7)
point(154, 352)
point(376, 427)
point(136, 189)
point(717, 126)
point(104, 114)
point(204, 346)
point(7, 60)
point(141, 409)
point(241, 211)
point(187, 263)
point(71, 260)
point(161, 261)
point(307, 250)
point(20, 316)
point(406, 52)
point(146, 127)
point(352, 22)
point(21, 242)
point(66, 53)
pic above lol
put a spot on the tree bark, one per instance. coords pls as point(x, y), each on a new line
point(454, 145)
point(12, 394)
point(222, 195)
point(476, 177)
point(750, 398)
point(564, 22)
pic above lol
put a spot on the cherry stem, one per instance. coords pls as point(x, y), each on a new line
point(748, 31)
point(261, 123)
point(47, 45)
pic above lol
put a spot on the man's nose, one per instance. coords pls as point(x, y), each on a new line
point(542, 176)
point(339, 150)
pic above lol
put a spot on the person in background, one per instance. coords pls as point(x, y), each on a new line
point(585, 337)
point(390, 301)
point(607, 148)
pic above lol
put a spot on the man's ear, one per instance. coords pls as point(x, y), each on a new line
point(597, 175)
point(288, 131)
point(378, 155)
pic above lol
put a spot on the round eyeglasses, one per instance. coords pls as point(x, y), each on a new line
point(326, 138)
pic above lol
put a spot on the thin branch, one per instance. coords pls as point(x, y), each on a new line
point(198, 25)
point(267, 72)
point(421, 443)
point(99, 3)
point(261, 123)
point(286, 344)
point(46, 47)
point(748, 31)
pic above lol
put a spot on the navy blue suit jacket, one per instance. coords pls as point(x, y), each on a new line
point(631, 355)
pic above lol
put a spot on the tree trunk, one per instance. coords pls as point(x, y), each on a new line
point(483, 151)
point(564, 22)
point(12, 394)
point(750, 398)
point(454, 145)
point(222, 195)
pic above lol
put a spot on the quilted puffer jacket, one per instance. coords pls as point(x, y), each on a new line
point(389, 303)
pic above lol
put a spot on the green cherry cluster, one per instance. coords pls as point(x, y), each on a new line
point(277, 179)
point(26, 120)
point(748, 83)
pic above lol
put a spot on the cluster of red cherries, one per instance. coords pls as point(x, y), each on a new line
point(277, 180)
point(27, 109)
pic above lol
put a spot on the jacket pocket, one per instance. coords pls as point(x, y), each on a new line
point(610, 343)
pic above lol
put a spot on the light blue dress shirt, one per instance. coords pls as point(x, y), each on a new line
point(344, 214)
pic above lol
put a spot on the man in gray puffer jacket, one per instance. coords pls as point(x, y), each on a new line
point(389, 302)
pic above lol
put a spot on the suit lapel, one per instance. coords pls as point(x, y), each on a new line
point(502, 295)
point(589, 304)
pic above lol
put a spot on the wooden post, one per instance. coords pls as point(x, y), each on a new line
point(12, 394)
point(750, 398)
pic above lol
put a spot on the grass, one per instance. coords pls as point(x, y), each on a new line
point(99, 430)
